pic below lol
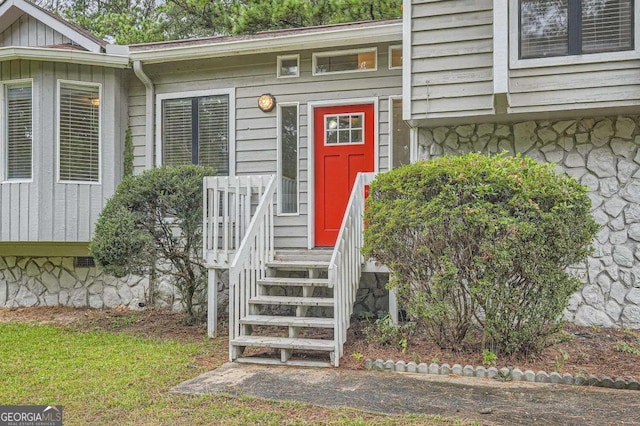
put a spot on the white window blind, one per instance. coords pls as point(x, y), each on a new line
point(196, 130)
point(575, 27)
point(543, 28)
point(607, 25)
point(79, 157)
point(19, 131)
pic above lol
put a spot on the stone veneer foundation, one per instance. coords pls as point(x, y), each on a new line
point(602, 153)
point(53, 281)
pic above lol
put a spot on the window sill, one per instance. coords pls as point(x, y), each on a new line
point(555, 61)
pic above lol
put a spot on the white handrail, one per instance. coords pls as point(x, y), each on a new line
point(228, 205)
point(250, 262)
point(346, 262)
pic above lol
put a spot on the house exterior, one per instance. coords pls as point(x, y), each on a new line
point(557, 81)
point(288, 119)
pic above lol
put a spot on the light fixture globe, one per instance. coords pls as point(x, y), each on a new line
point(266, 102)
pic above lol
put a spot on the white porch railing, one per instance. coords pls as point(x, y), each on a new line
point(345, 267)
point(250, 262)
point(229, 203)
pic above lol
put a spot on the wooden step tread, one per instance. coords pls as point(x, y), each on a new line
point(283, 321)
point(289, 362)
point(295, 282)
point(291, 301)
point(298, 264)
point(285, 343)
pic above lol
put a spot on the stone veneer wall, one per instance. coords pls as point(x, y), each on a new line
point(602, 153)
point(53, 281)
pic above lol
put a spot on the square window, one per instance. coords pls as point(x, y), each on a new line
point(288, 66)
point(344, 129)
point(395, 57)
point(196, 131)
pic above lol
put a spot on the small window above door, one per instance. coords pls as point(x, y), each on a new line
point(288, 66)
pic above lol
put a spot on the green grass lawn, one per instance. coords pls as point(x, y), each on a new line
point(109, 378)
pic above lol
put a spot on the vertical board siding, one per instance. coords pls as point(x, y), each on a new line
point(43, 209)
point(256, 132)
point(451, 58)
point(28, 31)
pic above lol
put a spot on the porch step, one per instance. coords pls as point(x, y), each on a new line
point(290, 362)
point(291, 301)
point(295, 282)
point(281, 321)
point(298, 265)
point(303, 254)
point(285, 343)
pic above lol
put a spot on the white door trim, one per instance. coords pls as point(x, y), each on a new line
point(311, 106)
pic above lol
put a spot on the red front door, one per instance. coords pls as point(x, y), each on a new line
point(343, 142)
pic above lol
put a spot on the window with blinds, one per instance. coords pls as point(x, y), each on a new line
point(196, 130)
point(574, 27)
point(79, 133)
point(19, 131)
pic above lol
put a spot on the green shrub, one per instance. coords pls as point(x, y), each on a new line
point(154, 223)
point(481, 241)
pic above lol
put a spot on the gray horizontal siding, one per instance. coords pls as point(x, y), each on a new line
point(28, 31)
point(581, 86)
point(43, 209)
point(451, 58)
point(256, 132)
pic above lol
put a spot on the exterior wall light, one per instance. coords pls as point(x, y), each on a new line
point(266, 102)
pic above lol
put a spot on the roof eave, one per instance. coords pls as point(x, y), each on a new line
point(64, 55)
point(57, 24)
point(323, 39)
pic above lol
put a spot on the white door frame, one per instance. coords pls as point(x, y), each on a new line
point(311, 106)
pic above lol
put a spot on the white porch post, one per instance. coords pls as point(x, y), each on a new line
point(393, 307)
point(212, 302)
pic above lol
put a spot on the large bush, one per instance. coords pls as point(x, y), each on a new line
point(481, 242)
point(154, 223)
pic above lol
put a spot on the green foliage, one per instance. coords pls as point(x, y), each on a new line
point(481, 241)
point(251, 16)
point(385, 332)
point(119, 21)
point(128, 153)
point(154, 221)
point(488, 357)
point(627, 347)
point(140, 21)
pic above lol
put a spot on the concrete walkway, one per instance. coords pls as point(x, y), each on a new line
point(484, 400)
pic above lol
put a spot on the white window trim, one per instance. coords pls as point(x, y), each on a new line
point(88, 84)
point(279, 161)
point(3, 133)
point(517, 63)
point(311, 106)
point(316, 55)
point(391, 49)
point(194, 94)
point(279, 66)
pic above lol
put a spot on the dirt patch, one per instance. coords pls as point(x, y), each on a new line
point(586, 350)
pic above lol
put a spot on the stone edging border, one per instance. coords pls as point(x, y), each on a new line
point(505, 374)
